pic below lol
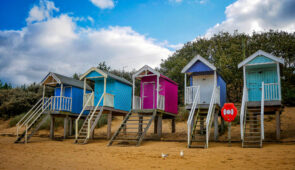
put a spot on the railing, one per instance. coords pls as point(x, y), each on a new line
point(161, 102)
point(33, 114)
point(209, 115)
point(81, 113)
point(262, 112)
point(243, 111)
point(137, 102)
point(271, 91)
point(61, 103)
point(86, 97)
point(108, 100)
point(190, 93)
point(192, 112)
point(92, 114)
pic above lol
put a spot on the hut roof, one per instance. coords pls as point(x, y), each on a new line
point(194, 60)
point(261, 53)
point(61, 79)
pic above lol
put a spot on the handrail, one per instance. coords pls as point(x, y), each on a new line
point(77, 120)
point(271, 91)
point(192, 112)
point(89, 120)
point(189, 96)
point(161, 102)
point(29, 112)
point(242, 111)
point(262, 112)
point(210, 110)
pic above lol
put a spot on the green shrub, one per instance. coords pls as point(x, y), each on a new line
point(182, 114)
point(16, 119)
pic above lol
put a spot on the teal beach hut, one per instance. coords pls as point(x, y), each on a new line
point(261, 95)
point(112, 95)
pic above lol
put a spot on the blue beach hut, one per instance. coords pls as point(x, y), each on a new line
point(112, 95)
point(205, 94)
point(66, 102)
point(261, 95)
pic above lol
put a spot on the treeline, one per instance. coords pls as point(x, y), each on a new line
point(226, 51)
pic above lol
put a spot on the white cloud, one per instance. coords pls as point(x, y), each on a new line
point(103, 4)
point(41, 12)
point(257, 15)
point(58, 44)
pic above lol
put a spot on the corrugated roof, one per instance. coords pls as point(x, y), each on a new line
point(123, 80)
point(68, 80)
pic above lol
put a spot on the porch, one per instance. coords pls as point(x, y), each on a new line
point(140, 104)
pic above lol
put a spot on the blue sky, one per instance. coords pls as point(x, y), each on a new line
point(175, 22)
point(70, 36)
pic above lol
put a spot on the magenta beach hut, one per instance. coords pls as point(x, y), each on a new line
point(155, 99)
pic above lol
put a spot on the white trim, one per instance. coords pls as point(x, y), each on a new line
point(279, 81)
point(133, 93)
point(263, 53)
point(53, 76)
point(260, 64)
point(145, 68)
point(185, 88)
point(194, 60)
point(93, 69)
point(244, 73)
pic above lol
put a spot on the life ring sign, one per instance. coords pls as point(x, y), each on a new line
point(229, 112)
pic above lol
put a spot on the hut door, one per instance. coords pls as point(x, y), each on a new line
point(148, 97)
point(206, 83)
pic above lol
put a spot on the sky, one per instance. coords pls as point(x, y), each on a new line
point(70, 36)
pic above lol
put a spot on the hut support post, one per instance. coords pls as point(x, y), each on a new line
point(159, 128)
point(66, 123)
point(216, 126)
point(156, 125)
point(278, 125)
point(71, 126)
point(173, 125)
point(109, 130)
point(140, 124)
point(52, 123)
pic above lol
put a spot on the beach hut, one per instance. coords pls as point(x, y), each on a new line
point(112, 96)
point(66, 102)
point(205, 94)
point(157, 99)
point(261, 95)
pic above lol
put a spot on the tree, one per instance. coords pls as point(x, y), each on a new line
point(76, 76)
point(103, 66)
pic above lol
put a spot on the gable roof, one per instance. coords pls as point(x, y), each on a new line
point(259, 53)
point(194, 60)
point(148, 68)
point(106, 75)
point(60, 79)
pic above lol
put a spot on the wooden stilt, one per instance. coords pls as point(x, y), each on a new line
point(125, 127)
point(173, 125)
point(66, 123)
point(222, 126)
point(216, 126)
point(159, 128)
point(278, 125)
point(155, 125)
point(71, 126)
point(140, 124)
point(52, 123)
point(109, 130)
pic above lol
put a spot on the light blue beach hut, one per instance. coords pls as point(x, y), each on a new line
point(261, 95)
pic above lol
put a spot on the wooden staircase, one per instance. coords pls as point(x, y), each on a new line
point(33, 120)
point(199, 132)
point(87, 129)
point(252, 129)
point(133, 128)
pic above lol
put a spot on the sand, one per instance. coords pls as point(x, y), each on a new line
point(42, 153)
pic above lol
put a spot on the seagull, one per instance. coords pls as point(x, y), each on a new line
point(164, 155)
point(181, 154)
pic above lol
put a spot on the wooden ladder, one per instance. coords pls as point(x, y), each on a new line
point(252, 130)
point(133, 128)
point(83, 133)
point(198, 135)
point(33, 128)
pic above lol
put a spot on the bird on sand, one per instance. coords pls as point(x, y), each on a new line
point(164, 155)
point(181, 154)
